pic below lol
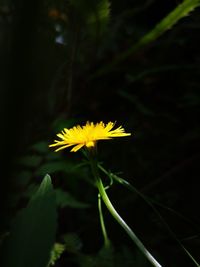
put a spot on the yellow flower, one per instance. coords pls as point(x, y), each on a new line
point(87, 135)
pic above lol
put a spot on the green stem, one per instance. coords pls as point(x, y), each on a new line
point(103, 228)
point(116, 215)
point(133, 189)
point(128, 230)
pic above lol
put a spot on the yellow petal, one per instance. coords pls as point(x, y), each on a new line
point(77, 147)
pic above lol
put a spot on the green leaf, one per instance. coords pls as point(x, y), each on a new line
point(33, 230)
point(64, 199)
point(30, 190)
point(165, 24)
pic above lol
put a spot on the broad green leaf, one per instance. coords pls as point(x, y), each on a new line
point(30, 190)
point(32, 233)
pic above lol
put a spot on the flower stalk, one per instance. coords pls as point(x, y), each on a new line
point(103, 228)
point(115, 214)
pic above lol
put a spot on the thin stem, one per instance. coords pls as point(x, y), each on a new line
point(116, 215)
point(103, 228)
point(133, 189)
point(128, 230)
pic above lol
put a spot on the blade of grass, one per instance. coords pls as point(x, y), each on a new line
point(165, 24)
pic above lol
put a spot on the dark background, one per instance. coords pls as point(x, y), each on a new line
point(49, 61)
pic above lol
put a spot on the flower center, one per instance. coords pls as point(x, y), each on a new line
point(90, 144)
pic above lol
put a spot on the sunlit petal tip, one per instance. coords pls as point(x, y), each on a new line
point(77, 147)
point(61, 136)
point(52, 145)
point(62, 147)
point(110, 125)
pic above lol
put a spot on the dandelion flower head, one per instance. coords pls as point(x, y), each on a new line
point(87, 135)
